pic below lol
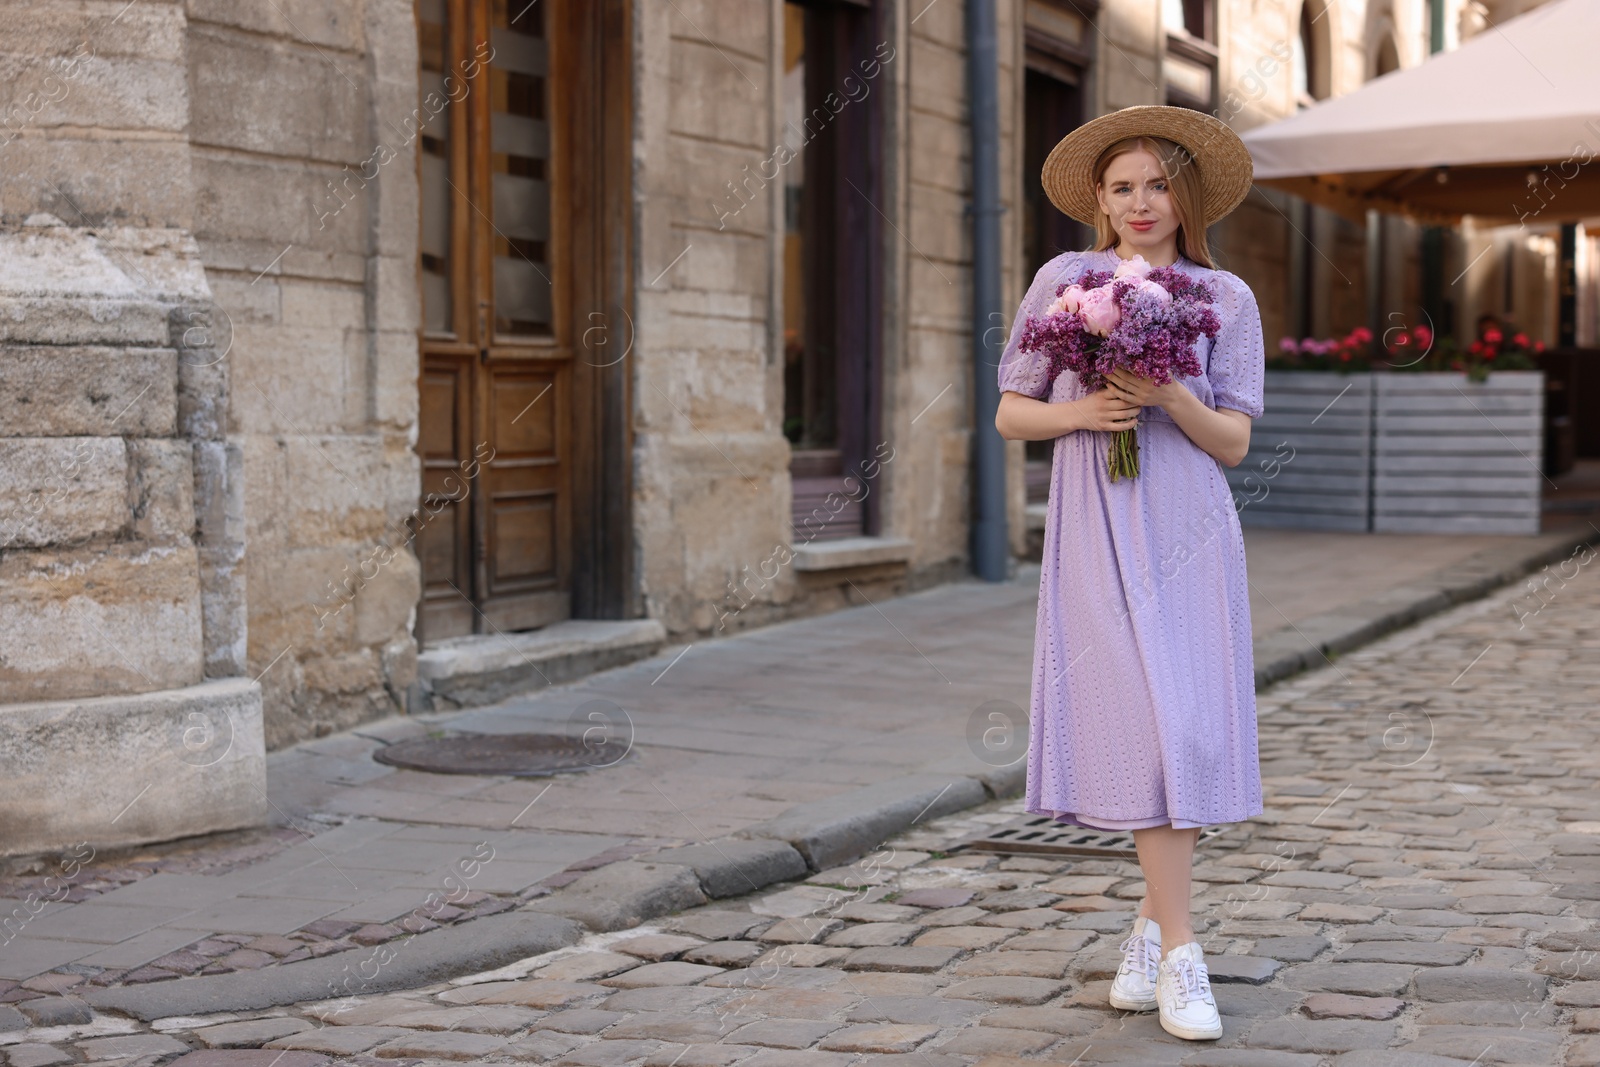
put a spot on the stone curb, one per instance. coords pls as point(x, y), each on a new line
point(1290, 650)
point(731, 867)
point(806, 838)
point(624, 894)
point(838, 829)
point(482, 944)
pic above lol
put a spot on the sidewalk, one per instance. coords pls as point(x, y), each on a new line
point(812, 741)
point(1422, 891)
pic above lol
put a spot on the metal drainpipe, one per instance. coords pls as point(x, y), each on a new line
point(990, 546)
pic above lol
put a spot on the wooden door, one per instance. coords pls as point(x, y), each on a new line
point(495, 537)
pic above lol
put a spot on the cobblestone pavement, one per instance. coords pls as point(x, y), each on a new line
point(763, 725)
point(1423, 890)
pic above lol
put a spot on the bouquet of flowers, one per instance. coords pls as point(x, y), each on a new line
point(1142, 318)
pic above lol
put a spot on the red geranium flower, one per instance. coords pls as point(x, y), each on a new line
point(1520, 339)
point(1475, 347)
point(1492, 335)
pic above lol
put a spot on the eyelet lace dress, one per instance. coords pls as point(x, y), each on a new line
point(1143, 695)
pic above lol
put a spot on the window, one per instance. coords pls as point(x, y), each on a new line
point(1190, 17)
point(1191, 62)
point(832, 59)
point(519, 156)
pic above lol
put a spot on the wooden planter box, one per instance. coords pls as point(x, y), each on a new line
point(1310, 460)
point(1456, 456)
point(1395, 452)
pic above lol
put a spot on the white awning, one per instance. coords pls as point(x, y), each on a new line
point(1506, 127)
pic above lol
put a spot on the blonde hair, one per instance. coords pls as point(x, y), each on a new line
point(1183, 180)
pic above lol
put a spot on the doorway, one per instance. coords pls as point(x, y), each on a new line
point(1052, 108)
point(522, 424)
point(832, 270)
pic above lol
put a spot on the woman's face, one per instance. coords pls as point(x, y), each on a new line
point(1136, 196)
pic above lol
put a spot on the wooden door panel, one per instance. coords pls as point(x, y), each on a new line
point(526, 505)
point(524, 412)
point(524, 529)
point(443, 521)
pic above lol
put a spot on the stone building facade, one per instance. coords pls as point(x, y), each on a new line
point(357, 357)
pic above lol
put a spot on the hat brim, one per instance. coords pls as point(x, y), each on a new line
point(1221, 158)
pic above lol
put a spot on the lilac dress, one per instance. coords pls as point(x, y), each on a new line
point(1144, 708)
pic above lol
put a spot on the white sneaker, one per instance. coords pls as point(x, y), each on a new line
point(1183, 993)
point(1134, 988)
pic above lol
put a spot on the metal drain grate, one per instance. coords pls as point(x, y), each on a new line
point(1040, 835)
point(521, 755)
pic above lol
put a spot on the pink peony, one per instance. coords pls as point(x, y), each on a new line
point(1070, 300)
point(1137, 267)
point(1158, 292)
point(1099, 310)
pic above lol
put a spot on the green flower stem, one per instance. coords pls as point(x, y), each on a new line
point(1123, 457)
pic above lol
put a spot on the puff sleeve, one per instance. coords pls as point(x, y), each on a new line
point(1238, 364)
point(1028, 372)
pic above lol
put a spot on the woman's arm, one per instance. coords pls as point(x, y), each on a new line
point(1223, 433)
point(1220, 432)
point(1022, 418)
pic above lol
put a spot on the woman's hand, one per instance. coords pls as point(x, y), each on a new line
point(1107, 409)
point(1222, 433)
point(1143, 391)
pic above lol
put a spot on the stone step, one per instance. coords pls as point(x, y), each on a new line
point(463, 672)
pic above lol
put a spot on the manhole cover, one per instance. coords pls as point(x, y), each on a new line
point(1040, 835)
point(524, 755)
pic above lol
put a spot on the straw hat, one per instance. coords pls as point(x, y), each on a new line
point(1223, 161)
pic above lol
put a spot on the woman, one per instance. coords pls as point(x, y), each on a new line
point(1144, 713)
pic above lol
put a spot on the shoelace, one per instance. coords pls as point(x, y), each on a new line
point(1193, 981)
point(1139, 955)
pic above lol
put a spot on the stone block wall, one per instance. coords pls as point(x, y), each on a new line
point(100, 574)
point(713, 489)
point(236, 135)
point(930, 376)
point(122, 598)
point(310, 246)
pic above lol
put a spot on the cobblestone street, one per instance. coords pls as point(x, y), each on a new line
point(1422, 890)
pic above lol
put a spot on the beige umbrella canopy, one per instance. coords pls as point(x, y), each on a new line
point(1504, 128)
